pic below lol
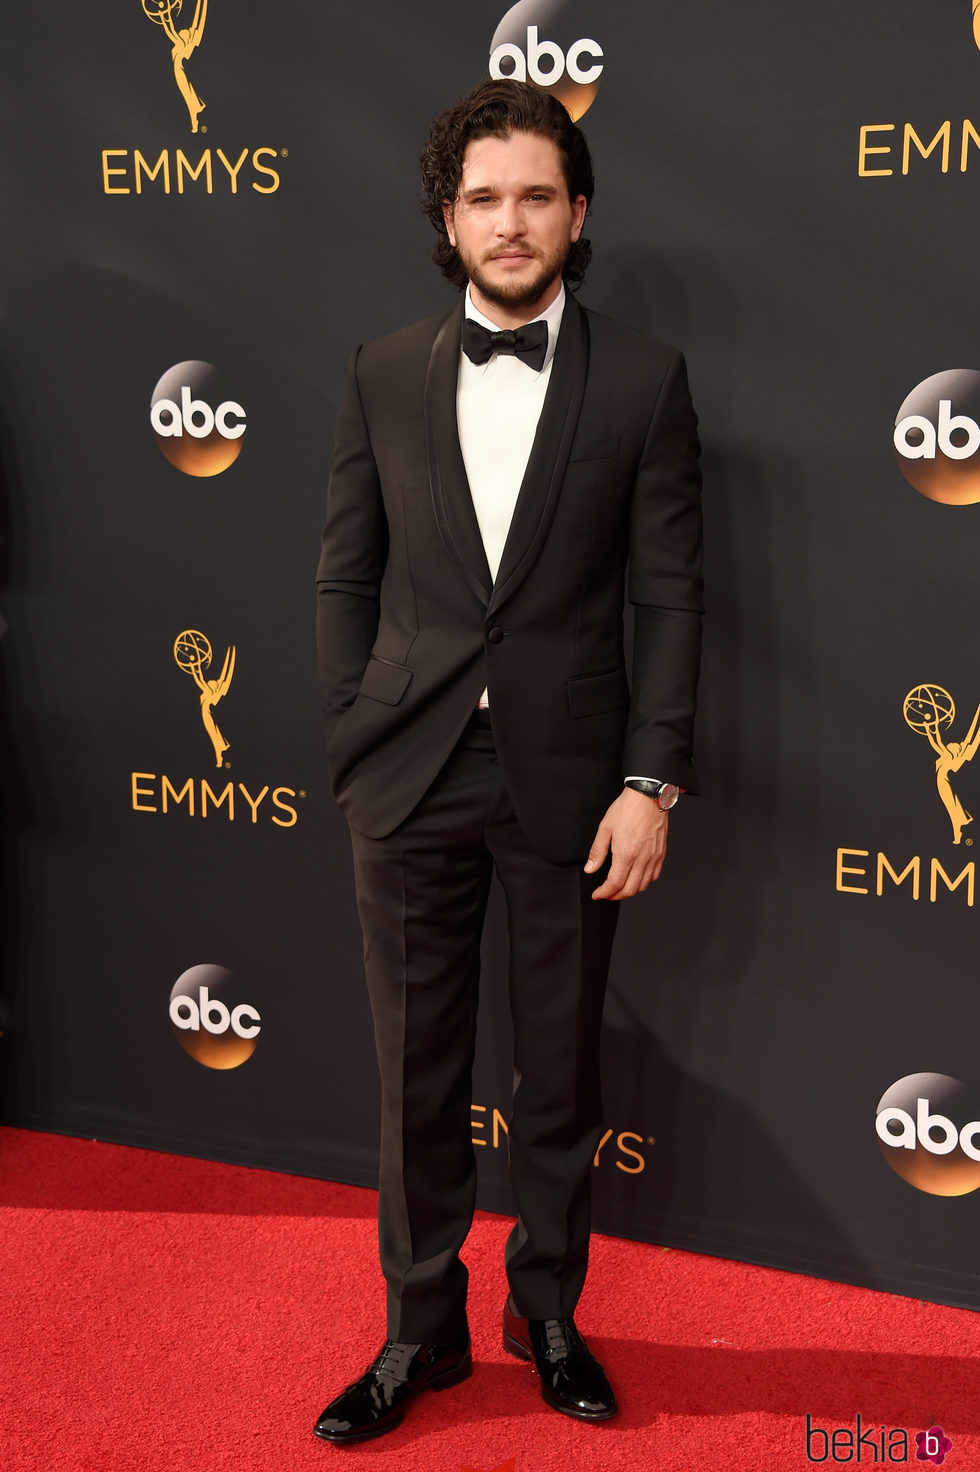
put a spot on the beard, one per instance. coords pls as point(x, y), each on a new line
point(517, 293)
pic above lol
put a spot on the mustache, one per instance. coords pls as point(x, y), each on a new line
point(518, 245)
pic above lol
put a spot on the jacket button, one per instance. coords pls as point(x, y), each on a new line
point(496, 636)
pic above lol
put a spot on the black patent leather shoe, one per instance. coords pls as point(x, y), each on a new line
point(377, 1401)
point(572, 1379)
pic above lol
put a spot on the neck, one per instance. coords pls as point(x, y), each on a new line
point(504, 316)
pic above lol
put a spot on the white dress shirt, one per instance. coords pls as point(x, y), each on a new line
point(498, 405)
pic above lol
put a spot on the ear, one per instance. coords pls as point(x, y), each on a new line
point(447, 215)
point(579, 206)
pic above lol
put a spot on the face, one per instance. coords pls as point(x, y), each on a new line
point(513, 223)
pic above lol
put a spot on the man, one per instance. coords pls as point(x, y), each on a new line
point(492, 483)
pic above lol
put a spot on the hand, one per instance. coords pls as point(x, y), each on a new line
point(636, 829)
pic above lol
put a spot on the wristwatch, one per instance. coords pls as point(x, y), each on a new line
point(664, 794)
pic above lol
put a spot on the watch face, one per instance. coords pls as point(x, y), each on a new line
point(668, 795)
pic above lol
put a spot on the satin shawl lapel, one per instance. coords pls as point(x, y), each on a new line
point(541, 486)
point(451, 499)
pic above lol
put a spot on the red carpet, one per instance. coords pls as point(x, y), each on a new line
point(167, 1315)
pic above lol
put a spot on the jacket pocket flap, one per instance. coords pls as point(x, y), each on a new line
point(594, 449)
point(385, 681)
point(591, 694)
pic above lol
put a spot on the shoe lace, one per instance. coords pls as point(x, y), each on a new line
point(561, 1336)
point(393, 1360)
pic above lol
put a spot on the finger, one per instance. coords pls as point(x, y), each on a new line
point(638, 878)
point(599, 849)
point(615, 880)
point(650, 873)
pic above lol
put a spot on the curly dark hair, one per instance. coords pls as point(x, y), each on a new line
point(497, 109)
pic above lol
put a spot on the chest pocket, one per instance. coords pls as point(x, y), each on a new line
point(595, 449)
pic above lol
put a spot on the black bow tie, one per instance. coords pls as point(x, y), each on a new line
point(529, 343)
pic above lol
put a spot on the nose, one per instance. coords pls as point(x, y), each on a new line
point(510, 220)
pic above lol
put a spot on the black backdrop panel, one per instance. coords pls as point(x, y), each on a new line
point(786, 195)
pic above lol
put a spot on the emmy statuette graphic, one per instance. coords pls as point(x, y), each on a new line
point(184, 42)
point(929, 710)
point(192, 654)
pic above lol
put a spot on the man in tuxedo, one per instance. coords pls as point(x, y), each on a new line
point(502, 474)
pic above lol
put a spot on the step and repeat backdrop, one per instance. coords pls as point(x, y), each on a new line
point(207, 204)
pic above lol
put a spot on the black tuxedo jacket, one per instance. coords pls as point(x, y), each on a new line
point(411, 627)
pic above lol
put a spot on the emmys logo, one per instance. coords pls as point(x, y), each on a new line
point(929, 711)
point(205, 1023)
point(198, 439)
point(566, 67)
point(130, 170)
point(184, 43)
point(937, 437)
point(153, 792)
point(192, 654)
point(489, 1127)
point(916, 1127)
point(878, 149)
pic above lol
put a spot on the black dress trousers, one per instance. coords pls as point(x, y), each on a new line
point(422, 895)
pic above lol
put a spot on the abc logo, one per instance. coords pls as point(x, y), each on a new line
point(937, 437)
point(207, 1024)
point(567, 67)
point(929, 1131)
point(197, 427)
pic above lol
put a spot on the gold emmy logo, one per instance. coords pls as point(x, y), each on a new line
point(929, 711)
point(887, 149)
point(195, 797)
point(192, 654)
point(184, 42)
